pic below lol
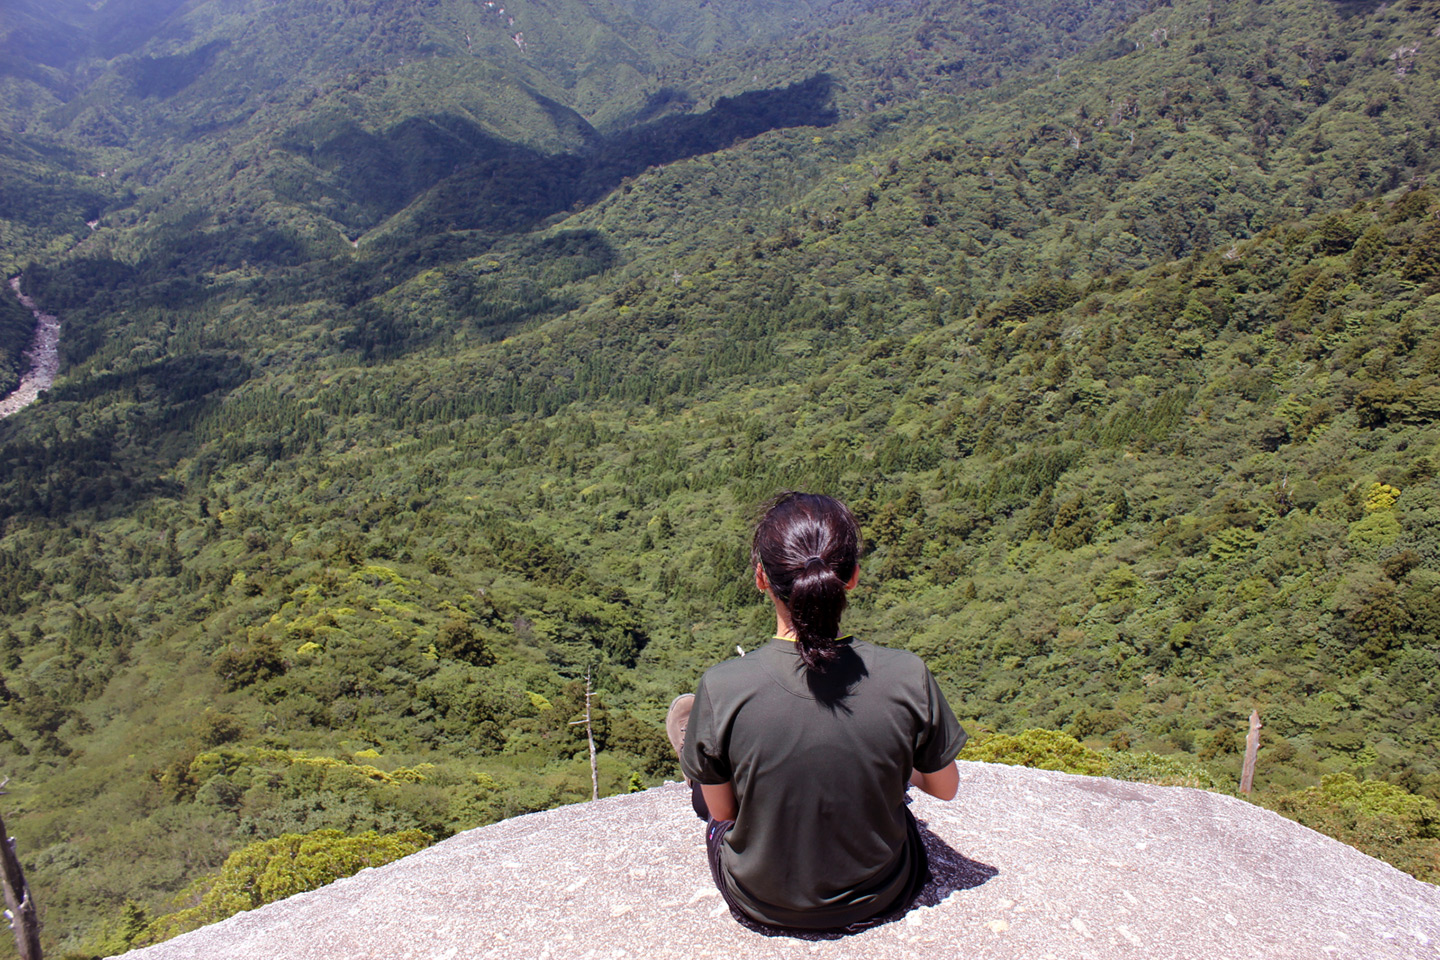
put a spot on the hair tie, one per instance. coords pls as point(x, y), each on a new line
point(810, 560)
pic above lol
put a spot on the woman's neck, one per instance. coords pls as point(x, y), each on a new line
point(784, 629)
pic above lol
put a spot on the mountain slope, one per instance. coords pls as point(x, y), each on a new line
point(383, 421)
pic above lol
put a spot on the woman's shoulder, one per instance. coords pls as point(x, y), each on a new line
point(890, 659)
point(729, 671)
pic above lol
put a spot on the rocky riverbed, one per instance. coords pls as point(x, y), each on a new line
point(43, 357)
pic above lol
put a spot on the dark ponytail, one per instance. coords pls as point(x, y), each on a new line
point(809, 545)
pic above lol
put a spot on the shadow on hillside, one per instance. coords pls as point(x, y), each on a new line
point(163, 77)
point(441, 188)
point(103, 465)
point(1358, 8)
point(448, 173)
point(950, 871)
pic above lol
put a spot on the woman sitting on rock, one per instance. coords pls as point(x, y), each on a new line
point(799, 752)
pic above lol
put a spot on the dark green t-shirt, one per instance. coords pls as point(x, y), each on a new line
point(819, 765)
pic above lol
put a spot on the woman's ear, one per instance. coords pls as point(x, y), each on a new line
point(761, 583)
point(854, 578)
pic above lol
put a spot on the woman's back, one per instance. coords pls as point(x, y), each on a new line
point(801, 750)
point(819, 764)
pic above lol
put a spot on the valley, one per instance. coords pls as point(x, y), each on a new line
point(395, 397)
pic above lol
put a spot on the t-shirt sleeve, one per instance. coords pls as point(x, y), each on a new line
point(703, 758)
point(941, 736)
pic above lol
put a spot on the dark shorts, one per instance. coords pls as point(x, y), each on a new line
point(715, 831)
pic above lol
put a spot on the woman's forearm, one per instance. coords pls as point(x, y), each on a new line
point(942, 784)
point(720, 799)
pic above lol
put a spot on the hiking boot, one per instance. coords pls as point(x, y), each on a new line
point(677, 719)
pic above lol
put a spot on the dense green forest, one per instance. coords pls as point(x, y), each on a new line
point(411, 376)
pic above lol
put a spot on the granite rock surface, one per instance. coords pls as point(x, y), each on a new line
point(1028, 865)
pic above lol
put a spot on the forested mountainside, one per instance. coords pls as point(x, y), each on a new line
point(395, 397)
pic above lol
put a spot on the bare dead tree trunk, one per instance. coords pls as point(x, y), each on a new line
point(1252, 747)
point(23, 919)
point(590, 736)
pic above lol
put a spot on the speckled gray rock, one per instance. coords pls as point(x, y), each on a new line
point(1029, 865)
